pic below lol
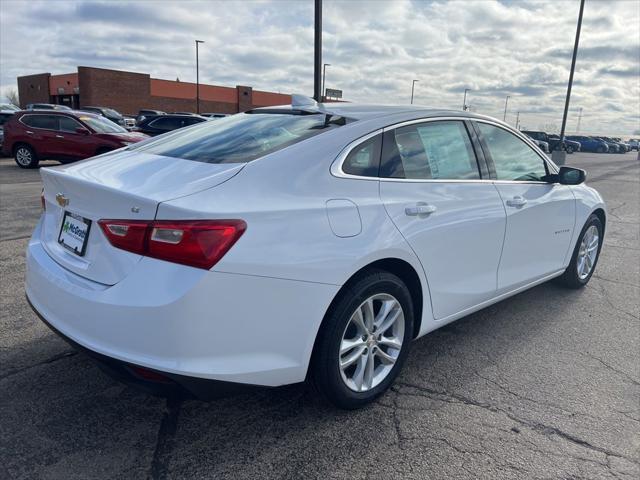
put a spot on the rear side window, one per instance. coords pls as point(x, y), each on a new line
point(430, 150)
point(364, 160)
point(240, 138)
point(49, 122)
point(513, 159)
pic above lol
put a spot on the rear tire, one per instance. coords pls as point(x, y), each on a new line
point(351, 337)
point(25, 156)
point(585, 255)
point(569, 149)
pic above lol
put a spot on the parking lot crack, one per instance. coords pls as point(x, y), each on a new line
point(165, 440)
point(612, 368)
point(49, 360)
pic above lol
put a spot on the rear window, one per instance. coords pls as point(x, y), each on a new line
point(49, 122)
point(240, 138)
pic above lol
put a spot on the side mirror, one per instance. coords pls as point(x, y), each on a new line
point(571, 176)
point(82, 131)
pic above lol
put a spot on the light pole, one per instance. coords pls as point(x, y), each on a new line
point(324, 71)
point(464, 101)
point(317, 50)
point(517, 119)
point(579, 120)
point(198, 77)
point(413, 85)
point(504, 117)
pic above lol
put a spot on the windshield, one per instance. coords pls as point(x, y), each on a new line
point(102, 125)
point(111, 113)
point(240, 138)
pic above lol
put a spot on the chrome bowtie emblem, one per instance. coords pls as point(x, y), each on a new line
point(62, 200)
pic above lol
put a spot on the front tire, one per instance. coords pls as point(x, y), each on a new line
point(364, 340)
point(25, 156)
point(585, 255)
point(569, 149)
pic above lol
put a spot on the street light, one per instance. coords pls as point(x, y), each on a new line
point(464, 102)
point(504, 117)
point(413, 85)
point(198, 77)
point(324, 71)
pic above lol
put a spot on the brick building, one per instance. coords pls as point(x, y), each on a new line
point(129, 92)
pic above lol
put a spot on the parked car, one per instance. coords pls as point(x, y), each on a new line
point(159, 124)
point(183, 113)
point(623, 147)
point(213, 116)
point(46, 106)
point(63, 135)
point(570, 146)
point(9, 107)
point(301, 241)
point(634, 143)
point(613, 146)
point(544, 137)
point(590, 144)
point(113, 115)
point(146, 113)
point(544, 146)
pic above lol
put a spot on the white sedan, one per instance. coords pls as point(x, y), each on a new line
point(302, 241)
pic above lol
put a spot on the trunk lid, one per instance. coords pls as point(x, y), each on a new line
point(119, 185)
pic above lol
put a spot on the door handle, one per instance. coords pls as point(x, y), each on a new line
point(420, 209)
point(517, 201)
point(29, 132)
point(59, 136)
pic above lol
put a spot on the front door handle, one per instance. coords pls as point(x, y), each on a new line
point(420, 209)
point(29, 132)
point(517, 201)
point(59, 136)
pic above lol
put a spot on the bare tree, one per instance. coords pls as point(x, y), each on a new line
point(12, 96)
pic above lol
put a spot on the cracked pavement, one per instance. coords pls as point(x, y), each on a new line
point(543, 385)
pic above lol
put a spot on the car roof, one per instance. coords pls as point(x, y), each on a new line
point(74, 113)
point(372, 111)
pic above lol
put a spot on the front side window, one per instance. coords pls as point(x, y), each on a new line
point(431, 150)
point(364, 159)
point(68, 124)
point(240, 138)
point(513, 159)
point(48, 122)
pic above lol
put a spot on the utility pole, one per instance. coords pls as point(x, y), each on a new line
point(504, 117)
point(198, 77)
point(579, 120)
point(413, 85)
point(464, 101)
point(317, 52)
point(561, 157)
point(517, 119)
point(324, 71)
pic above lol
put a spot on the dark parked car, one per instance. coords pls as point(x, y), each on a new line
point(552, 140)
point(113, 115)
point(64, 135)
point(159, 124)
point(211, 116)
point(634, 144)
point(544, 146)
point(570, 146)
point(5, 115)
point(147, 113)
point(590, 144)
point(622, 146)
point(46, 106)
point(613, 146)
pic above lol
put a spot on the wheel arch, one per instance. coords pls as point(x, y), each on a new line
point(600, 213)
point(20, 143)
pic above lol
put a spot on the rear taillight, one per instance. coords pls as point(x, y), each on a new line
point(198, 243)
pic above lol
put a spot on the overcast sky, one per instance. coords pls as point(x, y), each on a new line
point(375, 48)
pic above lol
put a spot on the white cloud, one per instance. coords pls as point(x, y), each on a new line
point(375, 48)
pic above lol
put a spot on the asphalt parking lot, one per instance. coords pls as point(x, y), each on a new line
point(543, 385)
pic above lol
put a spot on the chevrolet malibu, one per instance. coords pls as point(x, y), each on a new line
point(300, 242)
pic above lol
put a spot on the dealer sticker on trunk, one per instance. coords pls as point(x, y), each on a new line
point(74, 233)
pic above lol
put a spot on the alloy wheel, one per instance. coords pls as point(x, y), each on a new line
point(588, 252)
point(24, 156)
point(371, 342)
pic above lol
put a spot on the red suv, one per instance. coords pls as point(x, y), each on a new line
point(63, 135)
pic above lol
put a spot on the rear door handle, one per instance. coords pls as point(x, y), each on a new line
point(420, 209)
point(59, 136)
point(29, 132)
point(517, 201)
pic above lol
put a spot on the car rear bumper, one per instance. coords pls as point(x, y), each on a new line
point(183, 321)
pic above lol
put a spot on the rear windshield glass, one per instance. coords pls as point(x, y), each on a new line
point(239, 138)
point(102, 125)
